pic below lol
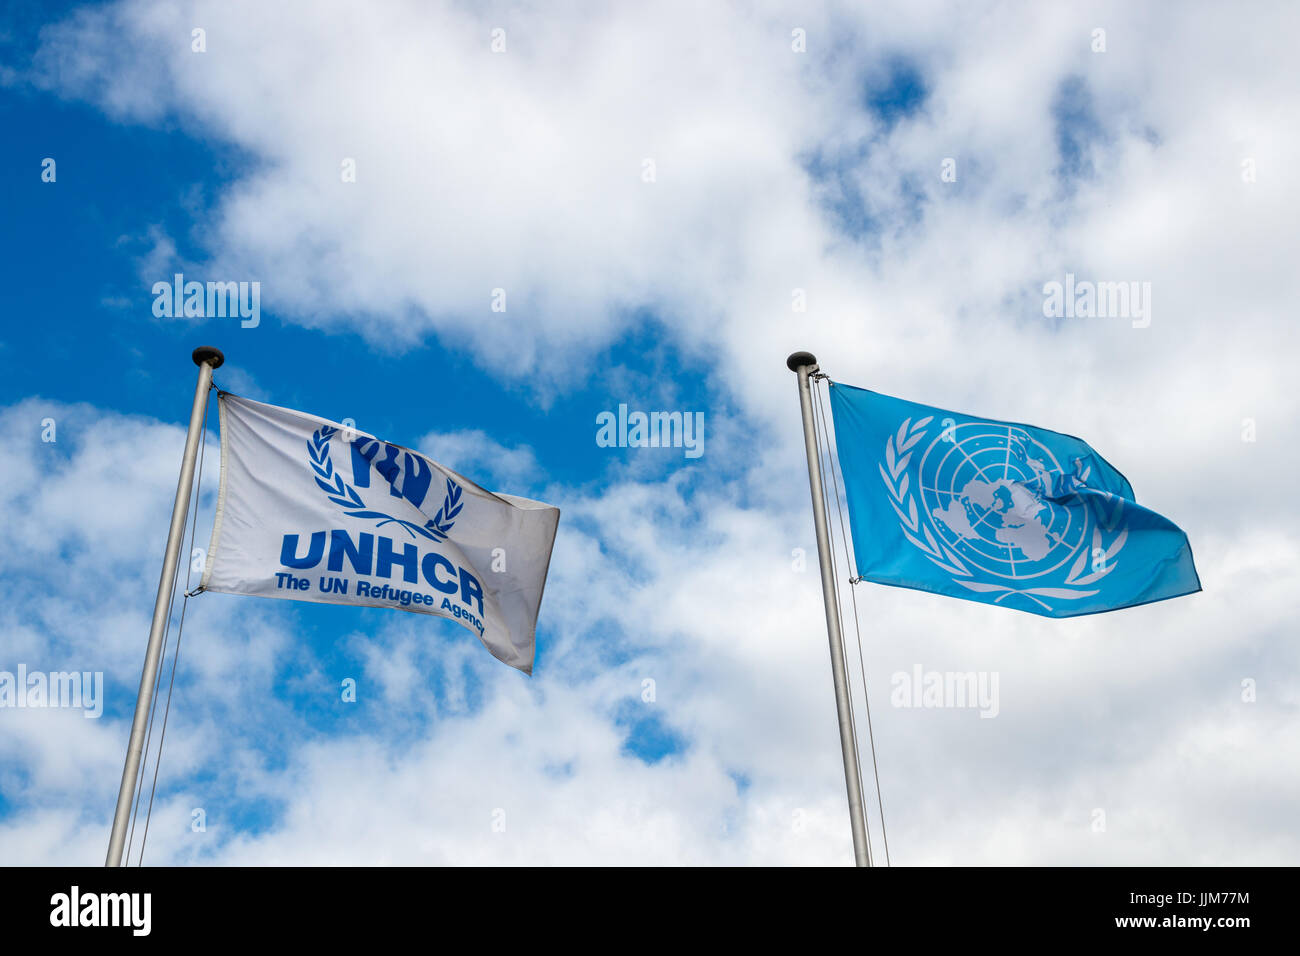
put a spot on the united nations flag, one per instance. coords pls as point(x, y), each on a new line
point(998, 512)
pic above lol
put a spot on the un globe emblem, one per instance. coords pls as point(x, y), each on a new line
point(986, 491)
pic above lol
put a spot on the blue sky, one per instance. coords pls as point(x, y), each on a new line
point(79, 255)
point(143, 362)
point(778, 174)
point(79, 250)
point(94, 221)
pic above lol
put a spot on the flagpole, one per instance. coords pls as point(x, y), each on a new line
point(804, 364)
point(207, 359)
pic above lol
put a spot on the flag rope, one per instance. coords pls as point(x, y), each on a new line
point(144, 761)
point(851, 565)
point(176, 653)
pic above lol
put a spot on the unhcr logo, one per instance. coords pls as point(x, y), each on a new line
point(208, 300)
point(406, 474)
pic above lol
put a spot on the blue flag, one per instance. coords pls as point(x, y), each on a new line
point(998, 512)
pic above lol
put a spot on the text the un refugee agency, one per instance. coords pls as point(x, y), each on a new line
point(378, 556)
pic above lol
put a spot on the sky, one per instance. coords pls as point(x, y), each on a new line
point(669, 199)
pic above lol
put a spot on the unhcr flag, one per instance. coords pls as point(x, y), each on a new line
point(998, 512)
point(310, 510)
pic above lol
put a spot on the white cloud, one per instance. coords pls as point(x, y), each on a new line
point(523, 171)
point(481, 458)
point(1094, 713)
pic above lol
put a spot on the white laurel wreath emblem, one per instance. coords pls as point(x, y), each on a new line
point(345, 496)
point(893, 470)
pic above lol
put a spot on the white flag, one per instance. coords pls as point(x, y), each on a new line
point(312, 511)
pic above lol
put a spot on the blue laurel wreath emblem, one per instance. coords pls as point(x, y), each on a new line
point(345, 496)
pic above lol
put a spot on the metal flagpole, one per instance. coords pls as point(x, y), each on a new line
point(207, 359)
point(804, 364)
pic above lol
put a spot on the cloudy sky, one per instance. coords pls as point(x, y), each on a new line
point(668, 199)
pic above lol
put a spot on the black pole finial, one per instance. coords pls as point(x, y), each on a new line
point(799, 359)
point(206, 353)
